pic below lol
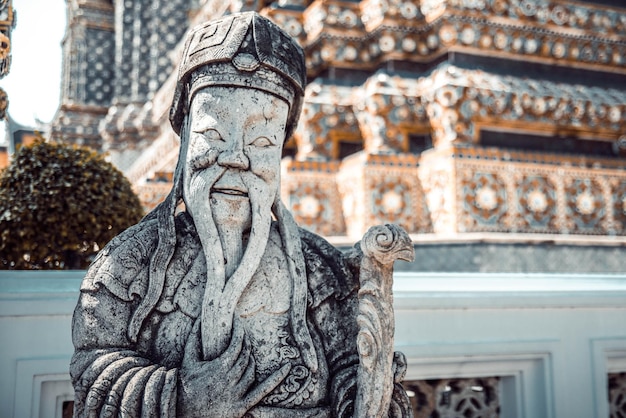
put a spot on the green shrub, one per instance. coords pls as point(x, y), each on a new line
point(59, 205)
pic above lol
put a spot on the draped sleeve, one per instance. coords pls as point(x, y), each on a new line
point(113, 376)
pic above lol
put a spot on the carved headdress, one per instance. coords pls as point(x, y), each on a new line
point(241, 50)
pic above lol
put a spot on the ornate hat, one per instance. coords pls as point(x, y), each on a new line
point(245, 50)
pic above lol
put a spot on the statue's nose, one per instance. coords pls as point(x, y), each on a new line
point(233, 159)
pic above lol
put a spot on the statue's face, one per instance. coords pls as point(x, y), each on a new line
point(233, 157)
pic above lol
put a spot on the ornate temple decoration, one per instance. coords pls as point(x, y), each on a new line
point(380, 188)
point(328, 119)
point(117, 55)
point(7, 23)
point(446, 117)
point(449, 398)
point(417, 88)
point(389, 110)
point(617, 388)
point(87, 86)
point(310, 190)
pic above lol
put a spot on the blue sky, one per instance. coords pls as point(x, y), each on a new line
point(34, 81)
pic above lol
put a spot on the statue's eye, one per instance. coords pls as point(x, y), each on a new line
point(210, 134)
point(262, 142)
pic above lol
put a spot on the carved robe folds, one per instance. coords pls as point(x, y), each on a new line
point(115, 376)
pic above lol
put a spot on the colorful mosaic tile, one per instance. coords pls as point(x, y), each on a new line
point(619, 205)
point(379, 189)
point(312, 197)
point(499, 194)
point(483, 201)
point(586, 206)
point(537, 204)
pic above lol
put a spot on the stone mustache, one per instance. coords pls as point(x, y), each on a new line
point(227, 308)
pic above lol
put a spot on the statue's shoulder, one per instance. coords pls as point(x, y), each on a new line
point(122, 265)
point(330, 271)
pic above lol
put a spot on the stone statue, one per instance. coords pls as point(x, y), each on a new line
point(228, 309)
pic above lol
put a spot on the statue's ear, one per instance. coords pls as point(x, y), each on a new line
point(183, 133)
point(294, 116)
point(177, 189)
point(178, 110)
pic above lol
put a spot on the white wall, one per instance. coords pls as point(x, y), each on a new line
point(551, 338)
point(35, 341)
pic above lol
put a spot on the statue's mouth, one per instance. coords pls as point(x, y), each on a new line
point(230, 184)
point(229, 192)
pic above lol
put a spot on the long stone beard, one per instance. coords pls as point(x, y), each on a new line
point(223, 291)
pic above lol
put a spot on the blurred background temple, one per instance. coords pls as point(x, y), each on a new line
point(477, 125)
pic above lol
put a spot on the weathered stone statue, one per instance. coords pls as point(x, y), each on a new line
point(228, 309)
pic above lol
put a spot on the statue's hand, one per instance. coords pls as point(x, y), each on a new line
point(221, 387)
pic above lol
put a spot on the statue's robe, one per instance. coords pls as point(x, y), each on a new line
point(113, 375)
